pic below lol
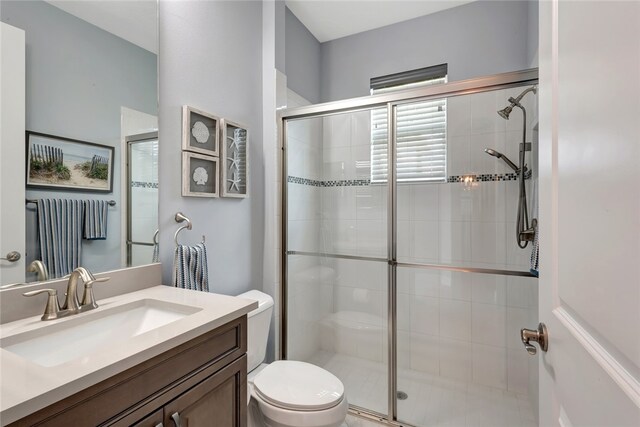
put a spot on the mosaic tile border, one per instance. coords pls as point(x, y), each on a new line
point(142, 184)
point(365, 182)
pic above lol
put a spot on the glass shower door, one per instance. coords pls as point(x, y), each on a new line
point(462, 285)
point(142, 198)
point(337, 271)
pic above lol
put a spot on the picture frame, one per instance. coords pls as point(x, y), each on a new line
point(199, 175)
point(200, 131)
point(234, 181)
point(60, 163)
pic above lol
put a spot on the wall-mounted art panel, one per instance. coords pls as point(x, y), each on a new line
point(234, 162)
point(200, 131)
point(199, 175)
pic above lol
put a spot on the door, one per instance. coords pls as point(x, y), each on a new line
point(590, 213)
point(336, 259)
point(12, 165)
point(218, 401)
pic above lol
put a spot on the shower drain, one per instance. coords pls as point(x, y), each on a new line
point(402, 395)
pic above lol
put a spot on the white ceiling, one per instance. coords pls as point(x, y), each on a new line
point(332, 19)
point(134, 21)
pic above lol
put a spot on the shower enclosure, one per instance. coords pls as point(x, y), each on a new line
point(142, 197)
point(401, 274)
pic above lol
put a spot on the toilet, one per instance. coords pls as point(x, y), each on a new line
point(287, 393)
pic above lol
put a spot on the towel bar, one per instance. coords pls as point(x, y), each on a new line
point(180, 217)
point(110, 202)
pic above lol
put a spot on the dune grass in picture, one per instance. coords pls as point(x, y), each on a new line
point(61, 163)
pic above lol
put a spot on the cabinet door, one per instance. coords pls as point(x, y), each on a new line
point(151, 420)
point(218, 401)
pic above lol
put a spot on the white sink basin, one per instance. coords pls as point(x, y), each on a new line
point(91, 332)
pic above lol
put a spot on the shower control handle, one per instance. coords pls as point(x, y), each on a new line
point(536, 335)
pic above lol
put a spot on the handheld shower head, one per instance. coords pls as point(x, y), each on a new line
point(493, 152)
point(499, 155)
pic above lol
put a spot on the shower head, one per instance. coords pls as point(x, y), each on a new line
point(504, 113)
point(499, 155)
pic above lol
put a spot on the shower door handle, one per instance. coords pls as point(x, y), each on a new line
point(536, 335)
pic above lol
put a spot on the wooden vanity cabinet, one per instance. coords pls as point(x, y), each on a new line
point(201, 383)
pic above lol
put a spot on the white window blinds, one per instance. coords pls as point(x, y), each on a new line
point(421, 138)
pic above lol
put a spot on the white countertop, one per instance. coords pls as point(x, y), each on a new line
point(26, 387)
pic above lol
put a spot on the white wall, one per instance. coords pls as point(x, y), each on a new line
point(211, 59)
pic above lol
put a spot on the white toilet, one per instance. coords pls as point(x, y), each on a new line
point(287, 393)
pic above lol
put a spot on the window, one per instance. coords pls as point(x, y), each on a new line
point(421, 129)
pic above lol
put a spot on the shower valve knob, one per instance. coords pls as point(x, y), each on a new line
point(538, 335)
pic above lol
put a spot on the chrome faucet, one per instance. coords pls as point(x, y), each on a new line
point(71, 304)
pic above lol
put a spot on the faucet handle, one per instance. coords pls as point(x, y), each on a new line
point(53, 306)
point(91, 282)
point(87, 297)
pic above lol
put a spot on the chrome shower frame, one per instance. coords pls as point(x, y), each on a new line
point(391, 102)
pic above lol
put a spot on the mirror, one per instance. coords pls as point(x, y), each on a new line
point(89, 192)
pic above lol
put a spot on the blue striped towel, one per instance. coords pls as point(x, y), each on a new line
point(156, 253)
point(190, 268)
point(95, 219)
point(60, 234)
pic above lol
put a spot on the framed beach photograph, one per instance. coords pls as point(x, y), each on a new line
point(59, 163)
point(199, 131)
point(199, 175)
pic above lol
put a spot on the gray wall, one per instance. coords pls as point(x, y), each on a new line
point(211, 58)
point(532, 33)
point(78, 76)
point(303, 53)
point(280, 35)
point(476, 39)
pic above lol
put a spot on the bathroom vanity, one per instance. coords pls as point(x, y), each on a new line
point(158, 356)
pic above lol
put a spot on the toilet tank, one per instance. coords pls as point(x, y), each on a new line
point(258, 322)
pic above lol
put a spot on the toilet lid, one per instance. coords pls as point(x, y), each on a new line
point(298, 386)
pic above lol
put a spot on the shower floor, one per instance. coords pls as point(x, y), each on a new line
point(432, 400)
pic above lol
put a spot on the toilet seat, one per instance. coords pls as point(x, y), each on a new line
point(298, 386)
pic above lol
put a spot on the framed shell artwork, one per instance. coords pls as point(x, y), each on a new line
point(234, 160)
point(200, 131)
point(199, 175)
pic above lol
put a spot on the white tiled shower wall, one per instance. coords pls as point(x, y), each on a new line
point(456, 325)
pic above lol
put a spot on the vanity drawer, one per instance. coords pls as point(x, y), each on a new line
point(144, 388)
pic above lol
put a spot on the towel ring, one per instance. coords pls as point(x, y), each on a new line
point(155, 236)
point(180, 217)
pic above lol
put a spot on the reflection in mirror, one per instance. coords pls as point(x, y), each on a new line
point(89, 191)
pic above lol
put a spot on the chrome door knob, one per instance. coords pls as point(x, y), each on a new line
point(538, 335)
point(12, 256)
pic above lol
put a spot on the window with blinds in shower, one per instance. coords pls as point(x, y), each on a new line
point(421, 130)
